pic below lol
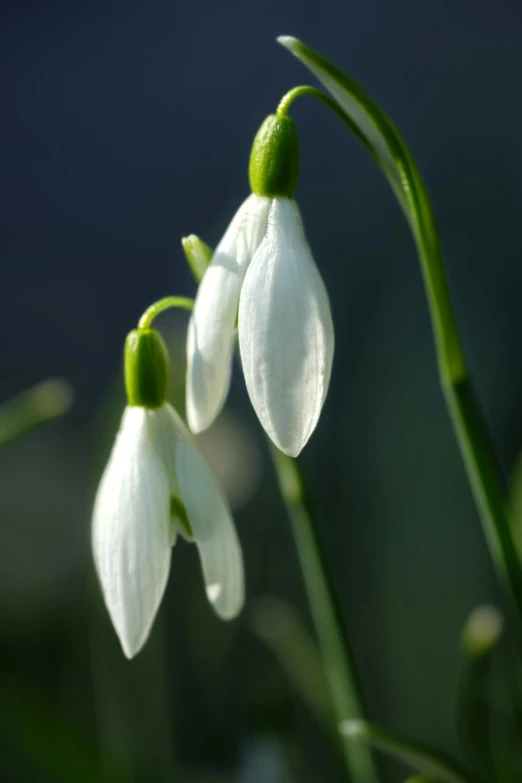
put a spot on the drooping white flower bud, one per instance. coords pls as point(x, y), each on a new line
point(262, 276)
point(156, 484)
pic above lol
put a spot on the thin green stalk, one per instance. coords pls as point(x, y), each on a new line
point(306, 89)
point(326, 610)
point(163, 304)
point(325, 607)
point(385, 144)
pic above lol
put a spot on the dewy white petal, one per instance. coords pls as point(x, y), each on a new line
point(130, 534)
point(211, 328)
point(285, 332)
point(212, 526)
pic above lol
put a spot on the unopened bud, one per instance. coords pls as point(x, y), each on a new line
point(146, 368)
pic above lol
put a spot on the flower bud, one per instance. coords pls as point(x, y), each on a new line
point(274, 160)
point(146, 367)
point(482, 630)
point(198, 255)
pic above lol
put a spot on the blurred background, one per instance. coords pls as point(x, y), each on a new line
point(126, 125)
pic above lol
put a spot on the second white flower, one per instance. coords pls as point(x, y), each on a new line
point(263, 274)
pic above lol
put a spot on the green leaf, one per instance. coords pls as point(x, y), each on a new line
point(43, 403)
point(427, 760)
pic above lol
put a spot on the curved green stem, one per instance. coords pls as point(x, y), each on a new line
point(306, 89)
point(163, 304)
point(326, 610)
point(315, 92)
point(383, 141)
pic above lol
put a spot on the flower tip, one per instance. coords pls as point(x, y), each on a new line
point(128, 653)
point(292, 447)
point(352, 728)
point(188, 242)
point(225, 608)
point(134, 639)
point(196, 422)
point(131, 647)
point(293, 451)
point(213, 592)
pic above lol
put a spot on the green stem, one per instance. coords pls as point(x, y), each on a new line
point(315, 92)
point(326, 610)
point(305, 89)
point(163, 304)
point(325, 606)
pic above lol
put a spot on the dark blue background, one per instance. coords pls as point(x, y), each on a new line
point(126, 125)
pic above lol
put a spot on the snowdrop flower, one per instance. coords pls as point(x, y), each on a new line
point(156, 485)
point(263, 278)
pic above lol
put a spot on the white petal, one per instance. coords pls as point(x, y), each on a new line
point(285, 332)
point(166, 437)
point(130, 534)
point(211, 327)
point(212, 526)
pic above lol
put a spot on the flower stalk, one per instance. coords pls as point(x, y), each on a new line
point(336, 653)
point(326, 610)
point(184, 302)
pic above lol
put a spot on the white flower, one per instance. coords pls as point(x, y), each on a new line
point(154, 475)
point(263, 266)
